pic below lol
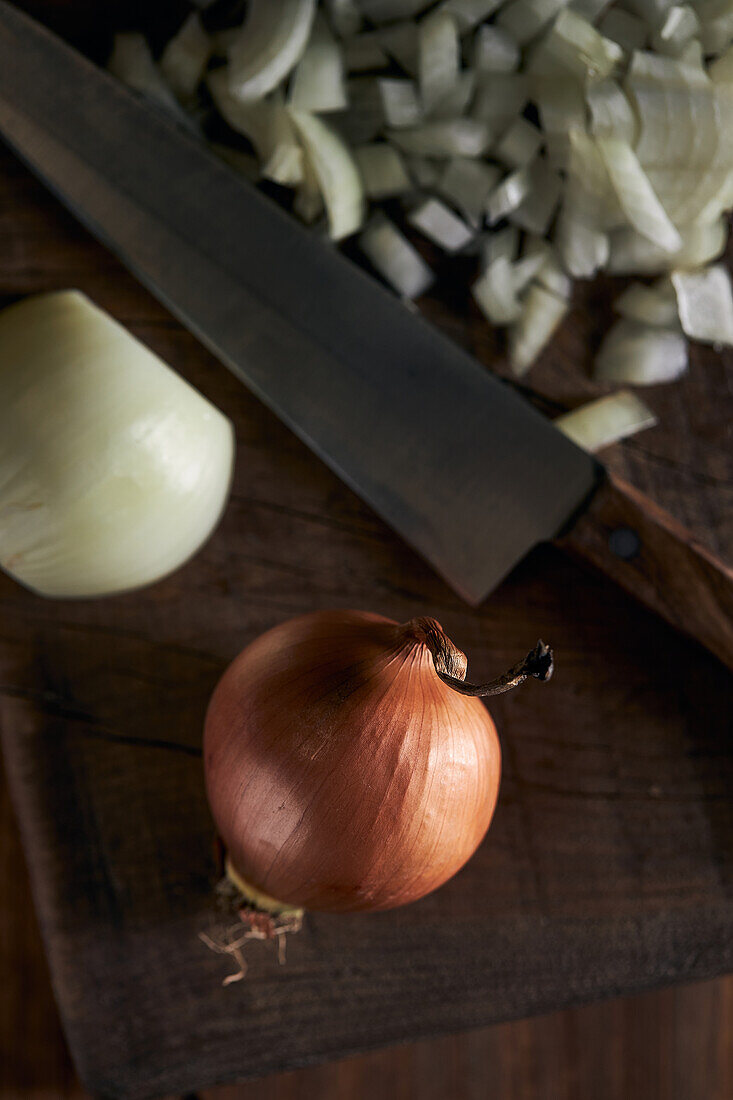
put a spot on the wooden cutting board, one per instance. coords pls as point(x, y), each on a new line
point(608, 868)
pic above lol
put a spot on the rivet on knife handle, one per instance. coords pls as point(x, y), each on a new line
point(655, 558)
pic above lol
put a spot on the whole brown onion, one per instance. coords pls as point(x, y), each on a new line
point(348, 764)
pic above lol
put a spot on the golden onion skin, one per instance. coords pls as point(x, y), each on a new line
point(343, 775)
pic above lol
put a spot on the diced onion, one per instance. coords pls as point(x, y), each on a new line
point(318, 81)
point(524, 19)
point(511, 193)
point(542, 312)
point(337, 174)
point(395, 258)
point(606, 420)
point(519, 145)
point(537, 209)
point(499, 243)
point(383, 170)
point(439, 58)
point(579, 49)
point(643, 355)
point(612, 123)
point(495, 293)
point(400, 103)
point(494, 50)
point(705, 304)
point(652, 305)
point(269, 45)
point(457, 137)
point(466, 183)
point(266, 124)
point(440, 225)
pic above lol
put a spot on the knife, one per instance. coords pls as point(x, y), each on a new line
point(450, 456)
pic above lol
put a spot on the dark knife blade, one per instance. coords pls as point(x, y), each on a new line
point(460, 465)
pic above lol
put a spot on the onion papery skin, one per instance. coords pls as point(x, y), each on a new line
point(343, 775)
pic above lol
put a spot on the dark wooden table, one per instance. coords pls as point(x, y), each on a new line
point(608, 869)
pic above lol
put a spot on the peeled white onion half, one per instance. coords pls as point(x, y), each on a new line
point(113, 470)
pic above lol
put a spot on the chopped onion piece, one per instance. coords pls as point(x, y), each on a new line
point(611, 113)
point(318, 81)
point(705, 303)
point(626, 29)
point(524, 19)
point(520, 144)
point(185, 57)
point(400, 42)
point(495, 293)
point(584, 249)
point(132, 62)
point(499, 243)
point(651, 305)
point(382, 170)
point(457, 101)
point(494, 50)
point(440, 225)
point(424, 172)
point(528, 268)
point(337, 174)
point(552, 277)
point(606, 420)
point(576, 46)
point(266, 124)
point(400, 102)
point(387, 11)
point(632, 254)
point(439, 58)
point(562, 110)
point(468, 13)
point(511, 192)
point(679, 26)
point(636, 195)
point(650, 11)
point(466, 183)
point(395, 258)
point(536, 211)
point(642, 355)
point(365, 51)
point(345, 17)
point(589, 9)
point(542, 312)
point(500, 97)
point(457, 137)
point(270, 44)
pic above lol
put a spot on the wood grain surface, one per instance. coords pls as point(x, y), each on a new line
point(608, 868)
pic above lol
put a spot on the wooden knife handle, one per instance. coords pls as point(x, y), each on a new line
point(657, 560)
